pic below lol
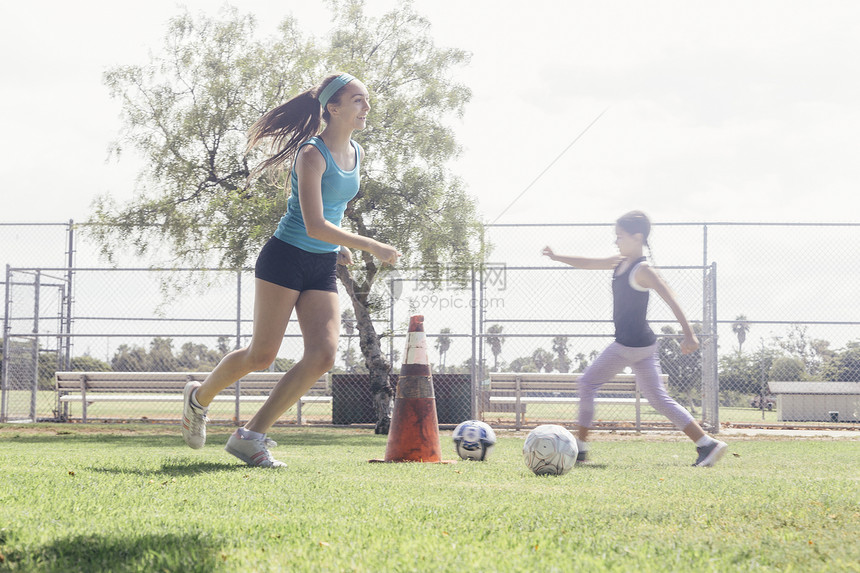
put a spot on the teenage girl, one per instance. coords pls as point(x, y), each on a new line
point(296, 269)
point(635, 343)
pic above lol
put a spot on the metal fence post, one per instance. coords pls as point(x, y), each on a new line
point(481, 311)
point(709, 329)
point(473, 371)
point(391, 302)
point(4, 379)
point(35, 352)
point(714, 360)
point(237, 411)
point(710, 375)
point(518, 402)
point(66, 321)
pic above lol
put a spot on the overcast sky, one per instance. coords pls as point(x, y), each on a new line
point(733, 111)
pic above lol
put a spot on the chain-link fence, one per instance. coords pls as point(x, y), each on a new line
point(779, 326)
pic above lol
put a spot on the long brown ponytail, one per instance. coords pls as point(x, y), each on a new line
point(290, 124)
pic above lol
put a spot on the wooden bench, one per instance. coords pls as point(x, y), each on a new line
point(89, 387)
point(514, 390)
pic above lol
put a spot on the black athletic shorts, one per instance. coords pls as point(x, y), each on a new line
point(291, 267)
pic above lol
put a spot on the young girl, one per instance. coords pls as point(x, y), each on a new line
point(635, 343)
point(296, 269)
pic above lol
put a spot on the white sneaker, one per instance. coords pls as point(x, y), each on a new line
point(253, 452)
point(193, 419)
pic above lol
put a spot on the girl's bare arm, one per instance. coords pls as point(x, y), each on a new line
point(584, 262)
point(646, 277)
point(310, 166)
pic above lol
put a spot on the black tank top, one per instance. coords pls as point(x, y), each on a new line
point(629, 310)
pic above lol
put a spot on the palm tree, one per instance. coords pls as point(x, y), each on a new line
point(560, 347)
point(543, 360)
point(582, 361)
point(443, 343)
point(495, 341)
point(740, 327)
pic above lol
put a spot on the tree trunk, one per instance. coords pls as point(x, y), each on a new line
point(379, 368)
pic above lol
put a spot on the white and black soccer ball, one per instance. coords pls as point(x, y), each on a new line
point(474, 440)
point(550, 450)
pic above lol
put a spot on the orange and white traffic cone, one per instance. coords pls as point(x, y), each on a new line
point(414, 432)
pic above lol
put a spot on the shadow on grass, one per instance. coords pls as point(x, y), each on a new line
point(218, 435)
point(112, 440)
point(165, 552)
point(588, 466)
point(174, 468)
point(325, 437)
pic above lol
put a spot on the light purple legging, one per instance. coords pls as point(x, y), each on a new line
point(646, 368)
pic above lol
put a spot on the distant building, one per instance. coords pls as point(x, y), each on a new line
point(817, 401)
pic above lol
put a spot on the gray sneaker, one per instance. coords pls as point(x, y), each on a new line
point(253, 452)
point(193, 419)
point(709, 455)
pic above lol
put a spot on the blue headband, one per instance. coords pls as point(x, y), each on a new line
point(332, 87)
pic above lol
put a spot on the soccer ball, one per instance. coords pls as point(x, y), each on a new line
point(474, 440)
point(550, 450)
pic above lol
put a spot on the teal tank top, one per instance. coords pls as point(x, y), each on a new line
point(338, 188)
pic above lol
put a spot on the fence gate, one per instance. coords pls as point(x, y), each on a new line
point(33, 322)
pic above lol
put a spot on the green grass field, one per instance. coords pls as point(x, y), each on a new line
point(134, 498)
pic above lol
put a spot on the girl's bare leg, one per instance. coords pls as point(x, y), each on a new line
point(694, 431)
point(318, 313)
point(273, 305)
